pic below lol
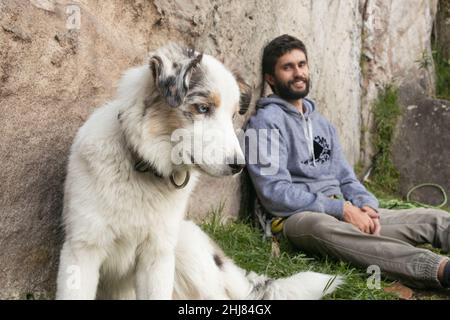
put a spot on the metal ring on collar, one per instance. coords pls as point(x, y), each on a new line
point(185, 182)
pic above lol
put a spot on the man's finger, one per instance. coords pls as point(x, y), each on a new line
point(372, 213)
point(371, 226)
point(367, 225)
point(377, 230)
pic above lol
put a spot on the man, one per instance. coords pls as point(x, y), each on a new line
point(327, 210)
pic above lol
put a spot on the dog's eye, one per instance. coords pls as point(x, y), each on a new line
point(202, 108)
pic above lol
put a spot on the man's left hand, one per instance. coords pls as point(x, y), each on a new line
point(376, 219)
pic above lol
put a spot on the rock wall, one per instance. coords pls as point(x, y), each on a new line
point(59, 60)
point(442, 27)
point(420, 149)
point(396, 49)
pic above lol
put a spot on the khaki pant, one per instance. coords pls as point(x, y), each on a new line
point(393, 251)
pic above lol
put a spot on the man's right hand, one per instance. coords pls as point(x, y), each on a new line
point(358, 218)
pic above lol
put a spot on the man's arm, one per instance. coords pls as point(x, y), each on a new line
point(363, 214)
point(351, 188)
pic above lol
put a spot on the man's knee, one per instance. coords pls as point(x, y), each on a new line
point(313, 224)
point(430, 216)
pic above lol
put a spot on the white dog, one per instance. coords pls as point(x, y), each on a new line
point(128, 183)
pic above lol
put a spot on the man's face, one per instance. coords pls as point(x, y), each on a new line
point(291, 76)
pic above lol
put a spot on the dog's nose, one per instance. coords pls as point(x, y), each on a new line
point(236, 168)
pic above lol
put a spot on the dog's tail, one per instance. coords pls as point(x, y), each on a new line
point(204, 272)
point(300, 286)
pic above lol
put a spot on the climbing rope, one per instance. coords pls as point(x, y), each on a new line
point(428, 185)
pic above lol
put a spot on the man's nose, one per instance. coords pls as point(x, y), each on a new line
point(298, 71)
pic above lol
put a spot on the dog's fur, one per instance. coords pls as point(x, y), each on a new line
point(123, 216)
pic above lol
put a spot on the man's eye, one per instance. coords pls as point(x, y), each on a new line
point(202, 108)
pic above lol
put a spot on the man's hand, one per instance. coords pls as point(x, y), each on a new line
point(359, 218)
point(375, 217)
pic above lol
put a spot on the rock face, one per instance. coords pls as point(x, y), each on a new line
point(442, 27)
point(421, 149)
point(395, 46)
point(59, 60)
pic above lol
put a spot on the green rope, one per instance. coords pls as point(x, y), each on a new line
point(428, 185)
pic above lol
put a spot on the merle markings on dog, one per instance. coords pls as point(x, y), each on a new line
point(125, 196)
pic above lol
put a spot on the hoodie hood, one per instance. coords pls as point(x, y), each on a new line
point(291, 109)
point(286, 106)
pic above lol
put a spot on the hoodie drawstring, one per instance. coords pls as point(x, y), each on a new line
point(307, 130)
point(289, 108)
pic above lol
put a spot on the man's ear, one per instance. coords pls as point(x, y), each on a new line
point(269, 79)
point(173, 74)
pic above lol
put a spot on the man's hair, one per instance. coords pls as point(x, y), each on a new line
point(278, 47)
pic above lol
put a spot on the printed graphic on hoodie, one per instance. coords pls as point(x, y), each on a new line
point(322, 151)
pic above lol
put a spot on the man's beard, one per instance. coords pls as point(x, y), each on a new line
point(286, 92)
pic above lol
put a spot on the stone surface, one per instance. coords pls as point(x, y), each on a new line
point(421, 149)
point(61, 59)
point(442, 27)
point(395, 41)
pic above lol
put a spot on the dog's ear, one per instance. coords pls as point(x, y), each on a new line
point(172, 77)
point(246, 93)
point(244, 87)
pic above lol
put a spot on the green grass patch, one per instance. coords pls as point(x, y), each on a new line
point(442, 69)
point(246, 246)
point(384, 176)
point(244, 243)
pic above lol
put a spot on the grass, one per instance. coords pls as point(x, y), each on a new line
point(384, 175)
point(245, 245)
point(442, 69)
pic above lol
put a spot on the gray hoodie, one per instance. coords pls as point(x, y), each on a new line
point(311, 173)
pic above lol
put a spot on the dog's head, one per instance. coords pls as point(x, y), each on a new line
point(202, 97)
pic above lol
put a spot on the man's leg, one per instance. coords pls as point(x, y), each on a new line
point(417, 226)
point(420, 226)
point(324, 234)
